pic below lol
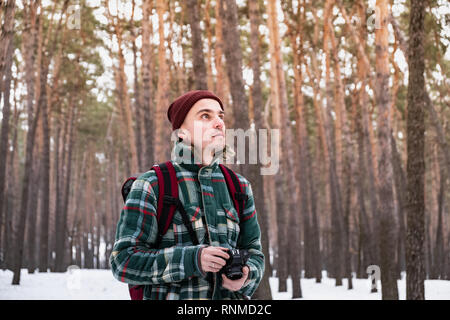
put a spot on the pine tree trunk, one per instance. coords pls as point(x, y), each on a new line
point(198, 59)
point(125, 104)
point(6, 60)
point(33, 205)
point(415, 168)
point(439, 248)
point(45, 167)
point(33, 117)
point(295, 32)
point(137, 101)
point(263, 292)
point(385, 171)
point(222, 83)
point(10, 194)
point(5, 128)
point(365, 232)
point(162, 128)
point(209, 54)
point(335, 149)
point(400, 183)
point(234, 63)
point(147, 90)
point(287, 158)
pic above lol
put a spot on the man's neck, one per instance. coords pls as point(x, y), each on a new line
point(207, 158)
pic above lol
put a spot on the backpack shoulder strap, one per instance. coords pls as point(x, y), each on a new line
point(235, 189)
point(168, 202)
point(168, 190)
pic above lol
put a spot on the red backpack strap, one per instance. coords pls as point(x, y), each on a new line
point(168, 190)
point(235, 189)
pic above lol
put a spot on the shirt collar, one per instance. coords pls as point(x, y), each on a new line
point(185, 156)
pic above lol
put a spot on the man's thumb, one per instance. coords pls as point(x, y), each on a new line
point(246, 270)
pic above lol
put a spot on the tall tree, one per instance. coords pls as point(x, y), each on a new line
point(123, 98)
point(162, 130)
point(385, 169)
point(43, 104)
point(198, 58)
point(263, 291)
point(6, 59)
point(292, 214)
point(147, 78)
point(415, 168)
point(33, 116)
point(137, 102)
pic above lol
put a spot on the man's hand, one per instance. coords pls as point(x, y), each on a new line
point(212, 259)
point(235, 285)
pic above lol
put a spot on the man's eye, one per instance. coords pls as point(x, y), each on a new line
point(205, 116)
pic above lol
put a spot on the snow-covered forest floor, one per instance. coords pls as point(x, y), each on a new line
point(89, 284)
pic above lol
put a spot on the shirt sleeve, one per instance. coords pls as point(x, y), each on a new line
point(133, 259)
point(250, 239)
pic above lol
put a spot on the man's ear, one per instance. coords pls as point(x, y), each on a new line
point(181, 135)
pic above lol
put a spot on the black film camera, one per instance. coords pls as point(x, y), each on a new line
point(233, 268)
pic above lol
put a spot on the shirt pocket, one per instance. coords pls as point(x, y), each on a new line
point(232, 224)
point(180, 231)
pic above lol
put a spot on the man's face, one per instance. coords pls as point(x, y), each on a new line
point(204, 125)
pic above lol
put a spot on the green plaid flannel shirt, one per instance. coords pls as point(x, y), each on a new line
point(172, 271)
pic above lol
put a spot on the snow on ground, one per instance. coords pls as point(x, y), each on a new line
point(91, 284)
point(326, 290)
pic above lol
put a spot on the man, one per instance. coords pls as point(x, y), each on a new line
point(177, 269)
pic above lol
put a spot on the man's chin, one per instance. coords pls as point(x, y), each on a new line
point(215, 145)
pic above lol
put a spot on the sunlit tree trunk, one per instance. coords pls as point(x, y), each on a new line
point(209, 54)
point(385, 171)
point(137, 103)
point(198, 58)
point(222, 82)
point(335, 148)
point(32, 124)
point(124, 101)
point(292, 214)
point(162, 127)
point(147, 88)
point(263, 291)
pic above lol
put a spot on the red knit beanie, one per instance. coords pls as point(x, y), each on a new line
point(181, 106)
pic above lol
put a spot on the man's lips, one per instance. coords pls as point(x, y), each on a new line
point(218, 135)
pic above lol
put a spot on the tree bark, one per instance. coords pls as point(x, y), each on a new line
point(209, 54)
point(263, 292)
point(198, 58)
point(147, 88)
point(137, 95)
point(222, 83)
point(415, 168)
point(385, 171)
point(292, 216)
point(162, 129)
point(124, 102)
point(32, 124)
point(6, 59)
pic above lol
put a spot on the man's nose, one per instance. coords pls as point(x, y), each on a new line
point(218, 123)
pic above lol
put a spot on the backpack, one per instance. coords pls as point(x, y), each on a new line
point(168, 202)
